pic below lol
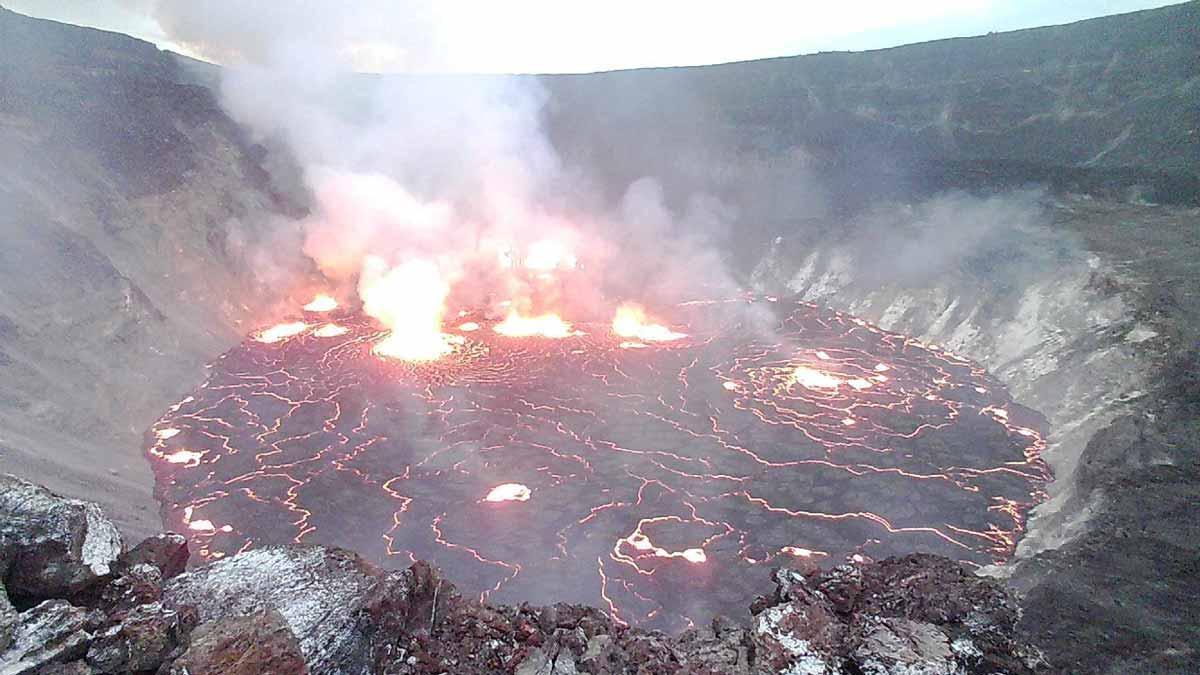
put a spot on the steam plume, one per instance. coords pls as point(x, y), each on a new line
point(445, 186)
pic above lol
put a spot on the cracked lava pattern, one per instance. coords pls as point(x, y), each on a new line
point(658, 481)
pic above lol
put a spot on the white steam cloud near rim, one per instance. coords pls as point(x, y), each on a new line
point(429, 191)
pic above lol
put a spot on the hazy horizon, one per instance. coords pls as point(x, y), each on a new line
point(534, 36)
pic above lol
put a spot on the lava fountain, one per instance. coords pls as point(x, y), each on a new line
point(538, 460)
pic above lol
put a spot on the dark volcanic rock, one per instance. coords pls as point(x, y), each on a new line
point(408, 601)
point(139, 585)
point(51, 546)
point(319, 593)
point(1102, 106)
point(143, 640)
point(258, 644)
point(920, 613)
point(70, 668)
point(52, 632)
point(8, 619)
point(168, 552)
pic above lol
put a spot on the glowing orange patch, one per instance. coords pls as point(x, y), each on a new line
point(630, 322)
point(508, 492)
point(321, 303)
point(281, 332)
point(546, 325)
point(814, 379)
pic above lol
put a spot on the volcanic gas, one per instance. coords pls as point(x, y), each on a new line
point(541, 459)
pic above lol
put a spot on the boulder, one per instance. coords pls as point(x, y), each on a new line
point(53, 547)
point(146, 637)
point(976, 615)
point(257, 644)
point(799, 630)
point(137, 585)
point(539, 662)
point(409, 601)
point(319, 592)
point(52, 632)
point(167, 551)
point(894, 645)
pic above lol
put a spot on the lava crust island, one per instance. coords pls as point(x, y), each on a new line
point(658, 473)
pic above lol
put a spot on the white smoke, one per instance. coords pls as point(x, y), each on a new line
point(448, 183)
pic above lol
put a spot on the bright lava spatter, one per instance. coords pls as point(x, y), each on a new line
point(659, 483)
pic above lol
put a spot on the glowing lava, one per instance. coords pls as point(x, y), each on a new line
point(731, 452)
point(330, 330)
point(642, 543)
point(545, 325)
point(409, 299)
point(280, 332)
point(630, 322)
point(508, 492)
point(187, 457)
point(800, 552)
point(321, 303)
point(810, 378)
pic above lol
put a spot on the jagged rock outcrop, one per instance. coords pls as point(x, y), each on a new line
point(317, 591)
point(51, 546)
point(258, 644)
point(923, 613)
point(52, 632)
point(142, 641)
point(166, 552)
point(295, 609)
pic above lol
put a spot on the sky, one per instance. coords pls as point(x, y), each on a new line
point(558, 36)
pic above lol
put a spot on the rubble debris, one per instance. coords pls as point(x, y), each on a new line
point(51, 632)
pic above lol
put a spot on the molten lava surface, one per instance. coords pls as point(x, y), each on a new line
point(660, 483)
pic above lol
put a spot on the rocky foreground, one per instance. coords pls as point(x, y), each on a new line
point(75, 600)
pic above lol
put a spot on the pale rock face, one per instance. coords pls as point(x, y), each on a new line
point(51, 632)
point(317, 591)
point(902, 647)
point(102, 542)
point(54, 546)
point(771, 626)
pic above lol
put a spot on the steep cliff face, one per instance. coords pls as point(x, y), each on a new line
point(1105, 105)
point(1089, 313)
point(122, 195)
point(1038, 309)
